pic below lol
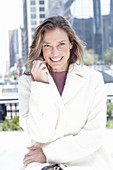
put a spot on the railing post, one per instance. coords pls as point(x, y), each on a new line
point(15, 108)
point(11, 110)
point(2, 111)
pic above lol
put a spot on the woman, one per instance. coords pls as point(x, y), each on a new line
point(62, 102)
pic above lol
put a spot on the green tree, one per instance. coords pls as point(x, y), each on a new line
point(109, 109)
point(10, 124)
point(90, 57)
point(108, 56)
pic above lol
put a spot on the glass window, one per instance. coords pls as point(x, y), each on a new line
point(41, 21)
point(32, 36)
point(33, 9)
point(33, 2)
point(33, 22)
point(41, 8)
point(32, 29)
point(33, 15)
point(42, 15)
point(41, 2)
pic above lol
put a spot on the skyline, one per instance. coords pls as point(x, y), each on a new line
point(11, 18)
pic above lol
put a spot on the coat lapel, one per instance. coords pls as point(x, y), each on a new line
point(74, 82)
point(55, 91)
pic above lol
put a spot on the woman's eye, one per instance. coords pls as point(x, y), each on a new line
point(46, 45)
point(61, 44)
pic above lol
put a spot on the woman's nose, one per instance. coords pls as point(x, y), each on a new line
point(55, 51)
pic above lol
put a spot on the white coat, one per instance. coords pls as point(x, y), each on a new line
point(69, 127)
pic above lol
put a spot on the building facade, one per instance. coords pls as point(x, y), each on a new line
point(59, 7)
point(97, 28)
point(111, 24)
point(34, 12)
point(13, 47)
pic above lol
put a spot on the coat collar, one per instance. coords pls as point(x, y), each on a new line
point(76, 69)
point(74, 81)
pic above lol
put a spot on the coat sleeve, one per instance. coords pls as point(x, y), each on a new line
point(38, 110)
point(89, 139)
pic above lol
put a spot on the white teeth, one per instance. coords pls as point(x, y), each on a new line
point(56, 59)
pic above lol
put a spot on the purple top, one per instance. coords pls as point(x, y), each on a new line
point(59, 79)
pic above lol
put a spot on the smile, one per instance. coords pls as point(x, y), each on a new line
point(56, 59)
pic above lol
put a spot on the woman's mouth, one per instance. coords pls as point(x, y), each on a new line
point(56, 59)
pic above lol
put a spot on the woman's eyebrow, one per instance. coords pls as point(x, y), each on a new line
point(46, 42)
point(61, 41)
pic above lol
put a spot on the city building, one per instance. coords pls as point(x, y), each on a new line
point(13, 47)
point(98, 29)
point(88, 19)
point(59, 7)
point(34, 12)
point(111, 24)
point(93, 24)
point(84, 30)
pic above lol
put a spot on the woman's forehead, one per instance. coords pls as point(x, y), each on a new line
point(57, 34)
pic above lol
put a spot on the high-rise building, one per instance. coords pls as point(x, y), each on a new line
point(93, 23)
point(34, 12)
point(13, 47)
point(24, 32)
point(111, 24)
point(59, 7)
point(84, 29)
point(98, 29)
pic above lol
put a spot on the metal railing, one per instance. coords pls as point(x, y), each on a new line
point(10, 106)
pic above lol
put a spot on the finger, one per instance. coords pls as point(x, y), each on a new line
point(31, 148)
point(35, 66)
point(46, 71)
point(26, 162)
point(38, 66)
point(27, 156)
point(37, 62)
point(34, 69)
point(42, 67)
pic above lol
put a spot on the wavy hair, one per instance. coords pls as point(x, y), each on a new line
point(77, 51)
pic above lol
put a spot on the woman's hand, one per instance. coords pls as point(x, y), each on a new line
point(35, 154)
point(39, 71)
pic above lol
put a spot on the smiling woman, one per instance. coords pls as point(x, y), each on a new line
point(56, 49)
point(62, 103)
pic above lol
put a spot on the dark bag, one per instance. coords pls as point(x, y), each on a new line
point(52, 167)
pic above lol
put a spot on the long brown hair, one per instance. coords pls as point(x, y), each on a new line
point(77, 51)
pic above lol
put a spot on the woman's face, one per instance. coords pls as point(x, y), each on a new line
point(56, 49)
